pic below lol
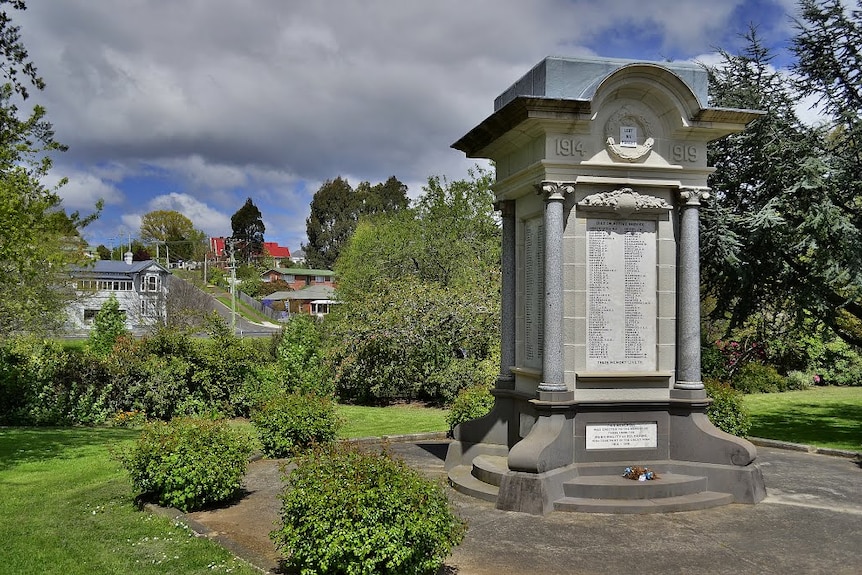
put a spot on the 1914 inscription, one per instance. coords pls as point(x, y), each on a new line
point(621, 295)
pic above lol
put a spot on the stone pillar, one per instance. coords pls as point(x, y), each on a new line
point(507, 300)
point(553, 386)
point(688, 375)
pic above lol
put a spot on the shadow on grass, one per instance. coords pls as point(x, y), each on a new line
point(836, 425)
point(29, 444)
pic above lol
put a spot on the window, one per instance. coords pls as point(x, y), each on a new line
point(319, 279)
point(148, 308)
point(290, 278)
point(150, 282)
point(90, 315)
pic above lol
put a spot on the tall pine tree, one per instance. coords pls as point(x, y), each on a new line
point(248, 230)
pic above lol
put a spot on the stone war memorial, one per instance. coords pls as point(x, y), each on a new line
point(601, 169)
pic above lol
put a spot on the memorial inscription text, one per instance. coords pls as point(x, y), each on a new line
point(621, 295)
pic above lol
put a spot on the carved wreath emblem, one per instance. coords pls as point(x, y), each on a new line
point(627, 118)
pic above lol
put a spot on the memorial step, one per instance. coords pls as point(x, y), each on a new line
point(693, 502)
point(619, 487)
point(490, 468)
point(462, 480)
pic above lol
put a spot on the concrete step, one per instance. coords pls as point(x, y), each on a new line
point(692, 502)
point(618, 487)
point(490, 468)
point(461, 479)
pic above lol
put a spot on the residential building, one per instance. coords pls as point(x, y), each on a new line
point(220, 256)
point(281, 254)
point(314, 300)
point(141, 289)
point(298, 257)
point(299, 278)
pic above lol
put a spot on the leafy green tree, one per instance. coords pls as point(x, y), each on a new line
point(103, 252)
point(419, 290)
point(37, 240)
point(176, 233)
point(248, 229)
point(331, 223)
point(336, 209)
point(108, 325)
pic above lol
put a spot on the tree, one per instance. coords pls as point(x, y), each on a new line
point(419, 292)
point(248, 230)
point(176, 233)
point(332, 220)
point(108, 325)
point(828, 47)
point(37, 239)
point(186, 307)
point(336, 209)
point(784, 229)
point(103, 252)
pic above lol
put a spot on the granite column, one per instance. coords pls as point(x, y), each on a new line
point(552, 385)
point(688, 376)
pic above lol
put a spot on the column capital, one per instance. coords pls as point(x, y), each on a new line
point(554, 190)
point(693, 195)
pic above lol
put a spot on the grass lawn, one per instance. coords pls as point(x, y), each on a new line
point(821, 416)
point(68, 508)
point(360, 421)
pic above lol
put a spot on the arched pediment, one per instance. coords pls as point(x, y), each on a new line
point(655, 86)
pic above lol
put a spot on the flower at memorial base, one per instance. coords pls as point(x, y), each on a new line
point(638, 473)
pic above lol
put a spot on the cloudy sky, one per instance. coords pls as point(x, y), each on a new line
point(195, 105)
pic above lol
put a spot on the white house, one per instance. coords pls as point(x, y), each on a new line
point(141, 289)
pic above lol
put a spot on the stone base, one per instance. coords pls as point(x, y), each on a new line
point(552, 465)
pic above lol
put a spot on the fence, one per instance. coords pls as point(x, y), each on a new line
point(259, 307)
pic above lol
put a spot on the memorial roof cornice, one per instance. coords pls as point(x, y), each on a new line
point(524, 108)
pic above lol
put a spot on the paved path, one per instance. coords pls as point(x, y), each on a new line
point(810, 522)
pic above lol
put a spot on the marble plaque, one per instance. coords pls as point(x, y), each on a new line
point(622, 435)
point(534, 288)
point(621, 295)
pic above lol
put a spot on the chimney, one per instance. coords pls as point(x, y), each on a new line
point(127, 257)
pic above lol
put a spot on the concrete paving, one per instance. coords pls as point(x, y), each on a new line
point(810, 522)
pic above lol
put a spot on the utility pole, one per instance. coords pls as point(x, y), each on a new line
point(230, 245)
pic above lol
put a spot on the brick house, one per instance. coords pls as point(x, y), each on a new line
point(299, 278)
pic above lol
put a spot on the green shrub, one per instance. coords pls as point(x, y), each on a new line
point(288, 424)
point(108, 325)
point(349, 511)
point(299, 357)
point(758, 378)
point(42, 384)
point(800, 380)
point(188, 463)
point(165, 383)
point(472, 402)
point(458, 374)
point(727, 411)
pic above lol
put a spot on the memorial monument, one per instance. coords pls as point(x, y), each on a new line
point(600, 172)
